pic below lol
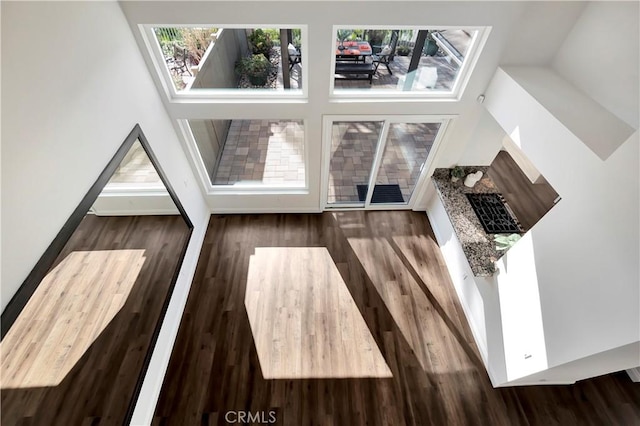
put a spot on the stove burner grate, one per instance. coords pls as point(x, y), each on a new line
point(493, 213)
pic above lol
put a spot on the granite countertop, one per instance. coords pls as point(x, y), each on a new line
point(478, 246)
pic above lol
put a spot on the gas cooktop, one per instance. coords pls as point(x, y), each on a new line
point(494, 214)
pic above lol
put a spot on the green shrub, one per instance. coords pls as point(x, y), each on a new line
point(356, 35)
point(403, 50)
point(457, 172)
point(273, 34)
point(261, 43)
point(167, 37)
point(343, 34)
point(256, 68)
point(297, 37)
point(405, 35)
point(377, 37)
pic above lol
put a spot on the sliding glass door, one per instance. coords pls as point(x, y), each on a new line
point(377, 163)
point(354, 145)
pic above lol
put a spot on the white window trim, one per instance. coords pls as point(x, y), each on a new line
point(222, 95)
point(427, 169)
point(455, 94)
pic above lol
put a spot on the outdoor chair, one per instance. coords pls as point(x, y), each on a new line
point(178, 63)
point(386, 54)
point(384, 57)
point(295, 57)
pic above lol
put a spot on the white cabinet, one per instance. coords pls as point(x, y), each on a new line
point(459, 269)
point(478, 295)
point(503, 310)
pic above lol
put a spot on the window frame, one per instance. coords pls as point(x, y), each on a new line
point(462, 77)
point(427, 170)
point(155, 53)
point(248, 189)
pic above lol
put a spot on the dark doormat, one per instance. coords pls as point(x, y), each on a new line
point(382, 194)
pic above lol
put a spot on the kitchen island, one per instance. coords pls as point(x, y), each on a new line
point(501, 304)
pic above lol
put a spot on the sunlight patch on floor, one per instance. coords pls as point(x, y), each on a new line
point(413, 312)
point(304, 321)
point(74, 303)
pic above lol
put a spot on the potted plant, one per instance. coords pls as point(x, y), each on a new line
point(256, 68)
point(457, 173)
point(430, 45)
point(506, 241)
point(261, 43)
point(342, 36)
point(403, 50)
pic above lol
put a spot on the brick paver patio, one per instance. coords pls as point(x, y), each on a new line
point(270, 152)
point(263, 151)
point(353, 149)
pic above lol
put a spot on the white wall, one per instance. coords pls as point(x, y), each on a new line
point(74, 85)
point(320, 18)
point(539, 32)
point(594, 125)
point(484, 142)
point(69, 100)
point(586, 248)
point(207, 141)
point(601, 54)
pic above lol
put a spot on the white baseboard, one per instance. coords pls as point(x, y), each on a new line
point(263, 210)
point(271, 210)
point(538, 383)
point(136, 212)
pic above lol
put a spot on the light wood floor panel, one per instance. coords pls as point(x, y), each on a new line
point(304, 321)
point(74, 354)
point(215, 366)
point(101, 283)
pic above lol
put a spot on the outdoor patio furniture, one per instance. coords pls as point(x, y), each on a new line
point(382, 58)
point(178, 63)
point(355, 71)
point(295, 57)
point(385, 54)
point(354, 51)
point(393, 43)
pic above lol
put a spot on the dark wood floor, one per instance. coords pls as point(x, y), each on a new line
point(215, 369)
point(74, 355)
point(529, 201)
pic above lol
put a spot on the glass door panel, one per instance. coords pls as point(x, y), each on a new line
point(405, 153)
point(353, 150)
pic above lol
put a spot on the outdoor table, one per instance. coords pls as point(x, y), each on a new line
point(354, 50)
